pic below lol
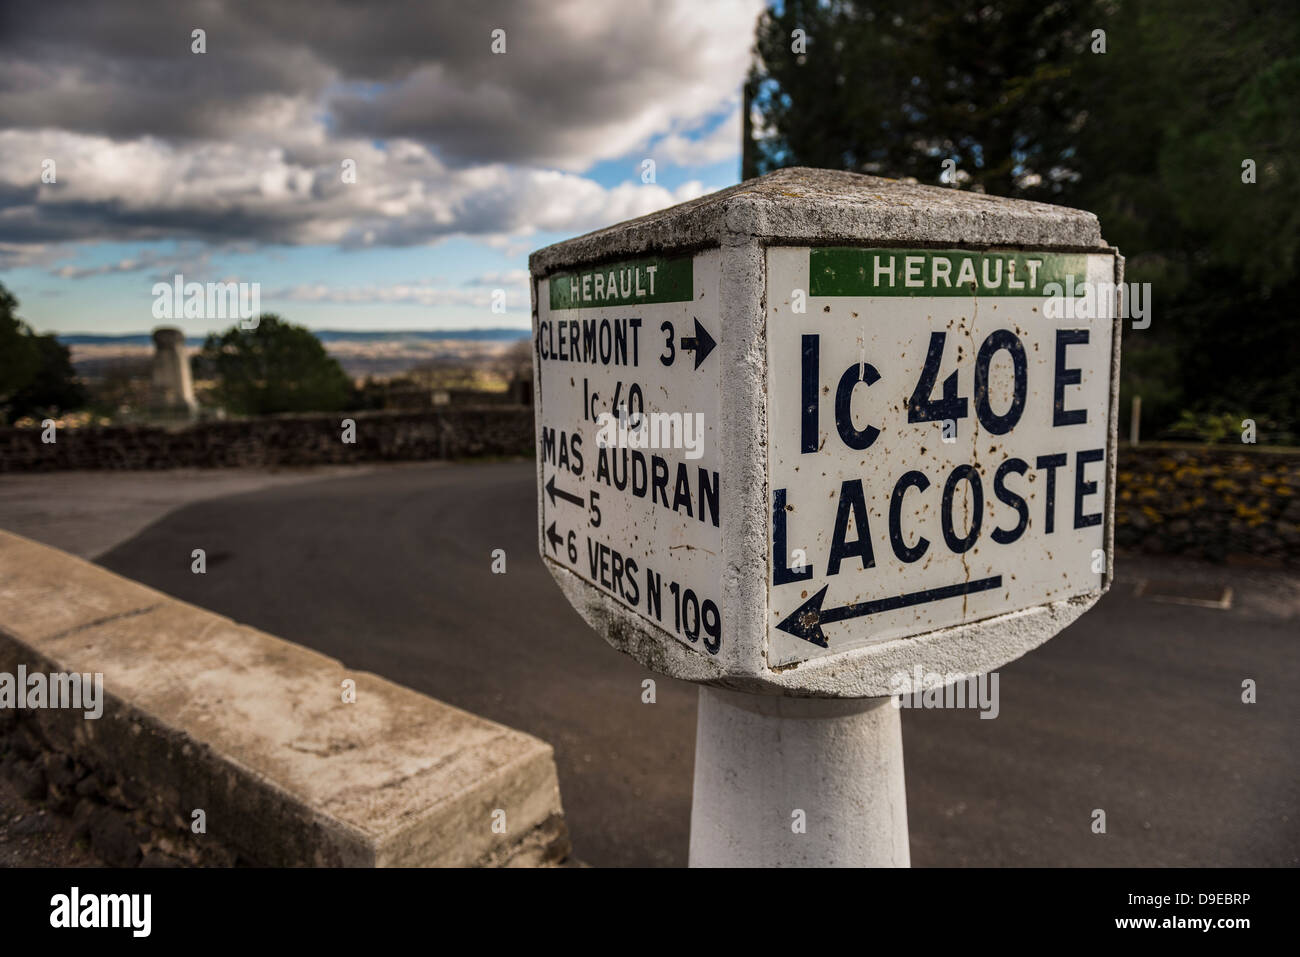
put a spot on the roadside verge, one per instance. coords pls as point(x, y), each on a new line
point(290, 758)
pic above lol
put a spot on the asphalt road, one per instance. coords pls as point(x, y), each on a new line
point(1135, 710)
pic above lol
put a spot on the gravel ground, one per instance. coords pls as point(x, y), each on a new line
point(31, 836)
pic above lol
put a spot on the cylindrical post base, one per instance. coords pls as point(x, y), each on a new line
point(798, 782)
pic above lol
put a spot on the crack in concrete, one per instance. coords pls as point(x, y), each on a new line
point(103, 621)
point(974, 452)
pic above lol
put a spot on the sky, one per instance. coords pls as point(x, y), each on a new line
point(369, 166)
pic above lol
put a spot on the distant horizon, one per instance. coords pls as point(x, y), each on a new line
point(468, 332)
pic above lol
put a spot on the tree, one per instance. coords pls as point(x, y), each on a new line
point(36, 374)
point(54, 387)
point(275, 367)
point(895, 88)
point(1151, 135)
point(17, 354)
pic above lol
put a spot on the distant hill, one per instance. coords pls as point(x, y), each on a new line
point(381, 353)
point(326, 336)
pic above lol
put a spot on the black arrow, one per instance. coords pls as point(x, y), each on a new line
point(554, 537)
point(806, 621)
point(552, 491)
point(702, 343)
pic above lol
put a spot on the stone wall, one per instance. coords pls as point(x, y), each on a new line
point(112, 813)
point(453, 432)
point(1207, 502)
point(1211, 502)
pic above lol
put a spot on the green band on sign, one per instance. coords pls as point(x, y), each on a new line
point(849, 271)
point(628, 283)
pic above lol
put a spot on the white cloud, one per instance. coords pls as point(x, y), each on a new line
point(246, 143)
point(512, 277)
point(720, 143)
point(149, 190)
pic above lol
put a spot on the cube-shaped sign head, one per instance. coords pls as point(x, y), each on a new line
point(821, 433)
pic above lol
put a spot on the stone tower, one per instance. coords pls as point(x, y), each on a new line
point(172, 391)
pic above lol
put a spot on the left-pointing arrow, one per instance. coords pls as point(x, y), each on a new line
point(554, 537)
point(806, 621)
point(552, 491)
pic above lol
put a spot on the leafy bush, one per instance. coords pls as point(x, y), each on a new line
point(36, 374)
point(275, 367)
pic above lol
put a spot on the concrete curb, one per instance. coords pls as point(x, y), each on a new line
point(200, 712)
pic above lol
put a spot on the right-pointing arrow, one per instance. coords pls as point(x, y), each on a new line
point(701, 343)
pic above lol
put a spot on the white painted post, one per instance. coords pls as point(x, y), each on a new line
point(798, 782)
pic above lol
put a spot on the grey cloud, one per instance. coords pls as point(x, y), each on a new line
point(245, 141)
point(572, 71)
point(189, 260)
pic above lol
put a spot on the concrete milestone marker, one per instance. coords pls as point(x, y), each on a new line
point(807, 433)
point(809, 437)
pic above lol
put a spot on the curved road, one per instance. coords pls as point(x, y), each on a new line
point(1135, 709)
